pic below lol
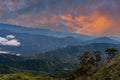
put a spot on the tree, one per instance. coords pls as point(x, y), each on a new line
point(84, 58)
point(111, 52)
point(98, 57)
point(90, 64)
point(87, 65)
point(87, 61)
point(91, 61)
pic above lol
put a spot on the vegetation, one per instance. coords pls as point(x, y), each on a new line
point(88, 65)
point(14, 64)
point(92, 66)
point(111, 52)
point(110, 70)
point(69, 54)
point(26, 76)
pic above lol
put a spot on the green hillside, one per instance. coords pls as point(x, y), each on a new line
point(69, 54)
point(109, 71)
point(93, 67)
point(26, 76)
point(10, 64)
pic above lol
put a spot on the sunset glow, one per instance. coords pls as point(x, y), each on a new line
point(91, 17)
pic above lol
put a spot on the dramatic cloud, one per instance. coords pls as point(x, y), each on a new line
point(91, 17)
point(9, 40)
point(94, 24)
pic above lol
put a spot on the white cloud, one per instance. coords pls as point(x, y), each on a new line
point(4, 52)
point(10, 36)
point(18, 54)
point(8, 52)
point(9, 40)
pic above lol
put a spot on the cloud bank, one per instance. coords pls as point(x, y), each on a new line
point(9, 40)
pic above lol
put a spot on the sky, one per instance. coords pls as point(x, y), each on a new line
point(90, 17)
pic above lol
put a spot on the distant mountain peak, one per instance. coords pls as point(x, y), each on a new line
point(103, 40)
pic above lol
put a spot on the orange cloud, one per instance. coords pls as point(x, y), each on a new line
point(96, 17)
point(93, 24)
point(96, 23)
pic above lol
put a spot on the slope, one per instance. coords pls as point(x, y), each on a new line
point(109, 71)
point(70, 54)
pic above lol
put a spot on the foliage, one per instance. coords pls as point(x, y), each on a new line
point(109, 71)
point(92, 67)
point(88, 65)
point(111, 52)
point(69, 54)
point(15, 64)
point(26, 76)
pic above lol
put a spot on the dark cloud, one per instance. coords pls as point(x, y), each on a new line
point(92, 17)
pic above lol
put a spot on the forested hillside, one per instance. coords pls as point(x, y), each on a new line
point(15, 64)
point(94, 67)
point(91, 66)
point(69, 54)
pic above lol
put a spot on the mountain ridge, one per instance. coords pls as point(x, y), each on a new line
point(70, 53)
point(40, 31)
point(31, 44)
point(103, 40)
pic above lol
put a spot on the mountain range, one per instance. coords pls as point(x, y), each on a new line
point(45, 52)
point(103, 40)
point(30, 44)
point(46, 32)
point(70, 54)
point(30, 41)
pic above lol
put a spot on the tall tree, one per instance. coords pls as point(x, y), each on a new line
point(84, 58)
point(111, 52)
point(98, 57)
